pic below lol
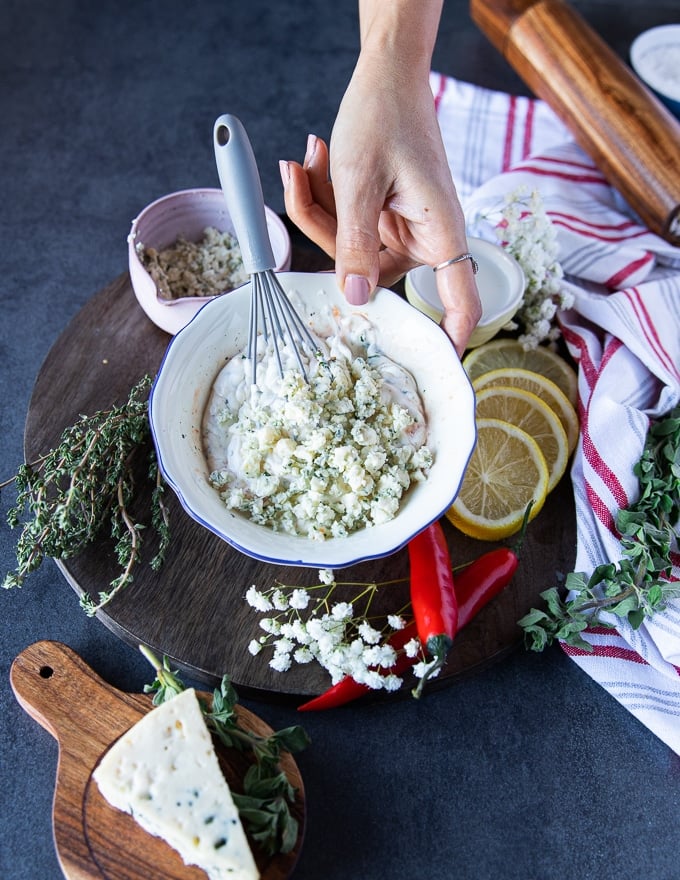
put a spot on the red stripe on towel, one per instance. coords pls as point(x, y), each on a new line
point(509, 131)
point(647, 326)
point(587, 230)
point(528, 129)
point(610, 651)
point(559, 175)
point(600, 509)
point(617, 280)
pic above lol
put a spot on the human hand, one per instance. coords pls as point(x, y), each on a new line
point(392, 204)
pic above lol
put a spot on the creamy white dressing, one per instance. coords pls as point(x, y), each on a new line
point(321, 458)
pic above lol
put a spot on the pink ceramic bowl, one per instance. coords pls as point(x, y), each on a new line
point(186, 214)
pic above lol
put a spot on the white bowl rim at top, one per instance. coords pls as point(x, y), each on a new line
point(642, 51)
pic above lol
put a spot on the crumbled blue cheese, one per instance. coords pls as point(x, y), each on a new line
point(207, 267)
point(165, 773)
point(321, 458)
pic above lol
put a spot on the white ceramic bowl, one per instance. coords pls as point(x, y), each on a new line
point(655, 57)
point(500, 282)
point(187, 213)
point(219, 331)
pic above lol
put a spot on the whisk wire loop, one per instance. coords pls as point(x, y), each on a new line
point(273, 316)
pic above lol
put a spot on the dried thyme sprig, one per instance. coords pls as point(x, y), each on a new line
point(638, 585)
point(264, 805)
point(66, 496)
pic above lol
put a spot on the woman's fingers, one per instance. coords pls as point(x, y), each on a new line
point(458, 293)
point(318, 224)
point(358, 203)
point(317, 168)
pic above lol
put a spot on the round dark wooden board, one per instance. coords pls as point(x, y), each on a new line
point(193, 609)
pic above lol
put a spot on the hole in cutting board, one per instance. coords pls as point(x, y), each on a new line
point(46, 672)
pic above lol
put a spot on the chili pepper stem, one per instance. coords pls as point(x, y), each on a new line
point(438, 647)
point(523, 530)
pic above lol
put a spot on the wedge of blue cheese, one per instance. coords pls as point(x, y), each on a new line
point(164, 772)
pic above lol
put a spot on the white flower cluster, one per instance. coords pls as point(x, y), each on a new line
point(526, 232)
point(344, 642)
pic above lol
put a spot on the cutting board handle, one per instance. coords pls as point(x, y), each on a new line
point(632, 138)
point(61, 692)
point(85, 715)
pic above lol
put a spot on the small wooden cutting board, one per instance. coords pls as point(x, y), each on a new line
point(86, 716)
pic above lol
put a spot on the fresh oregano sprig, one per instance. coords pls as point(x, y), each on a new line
point(264, 806)
point(637, 585)
point(65, 497)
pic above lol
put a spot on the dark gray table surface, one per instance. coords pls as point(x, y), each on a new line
point(528, 770)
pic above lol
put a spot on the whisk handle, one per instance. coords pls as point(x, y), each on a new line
point(242, 188)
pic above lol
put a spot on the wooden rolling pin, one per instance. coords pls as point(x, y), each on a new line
point(624, 128)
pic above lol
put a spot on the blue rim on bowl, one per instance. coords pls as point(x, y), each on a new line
point(219, 331)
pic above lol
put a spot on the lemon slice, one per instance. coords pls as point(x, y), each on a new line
point(541, 387)
point(510, 353)
point(506, 471)
point(528, 412)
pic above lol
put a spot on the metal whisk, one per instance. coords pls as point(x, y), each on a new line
point(272, 315)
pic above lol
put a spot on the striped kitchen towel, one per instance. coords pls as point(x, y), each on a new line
point(623, 331)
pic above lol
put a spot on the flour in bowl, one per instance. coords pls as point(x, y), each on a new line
point(320, 459)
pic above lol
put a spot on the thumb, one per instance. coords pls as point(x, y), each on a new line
point(357, 266)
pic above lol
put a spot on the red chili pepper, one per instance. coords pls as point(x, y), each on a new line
point(347, 689)
point(435, 607)
point(481, 580)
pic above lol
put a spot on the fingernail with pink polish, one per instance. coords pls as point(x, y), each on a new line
point(284, 170)
point(311, 148)
point(357, 290)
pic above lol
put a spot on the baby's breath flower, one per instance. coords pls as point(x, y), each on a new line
point(326, 576)
point(270, 625)
point(357, 669)
point(387, 656)
point(327, 643)
point(280, 662)
point(300, 633)
point(254, 647)
point(342, 611)
point(391, 682)
point(287, 630)
point(299, 599)
point(371, 656)
point(303, 655)
point(283, 646)
point(374, 680)
point(315, 628)
point(257, 599)
point(368, 633)
point(280, 600)
point(412, 647)
point(525, 230)
point(420, 670)
point(379, 655)
point(356, 647)
point(396, 621)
